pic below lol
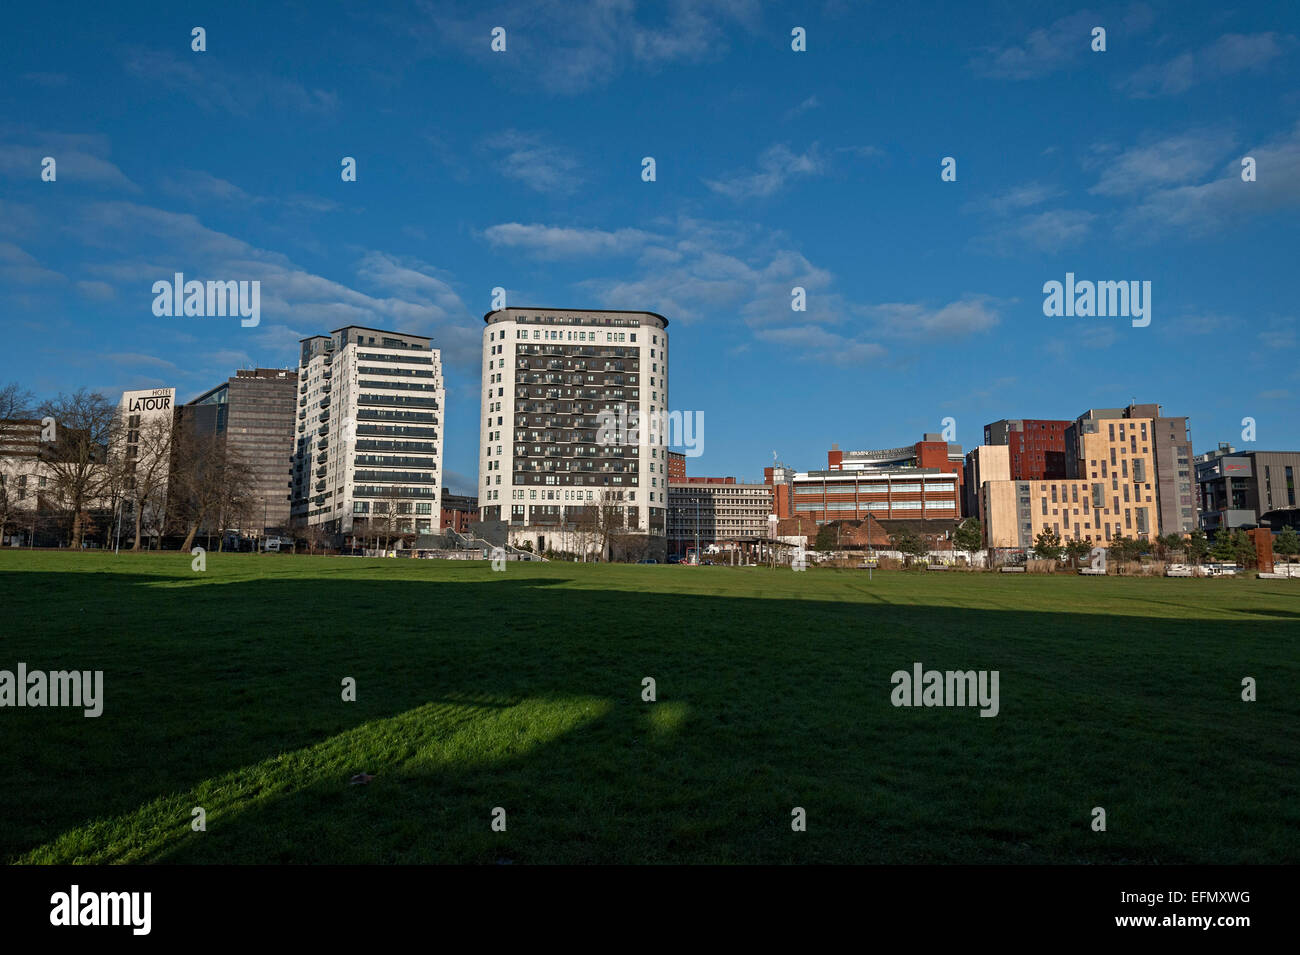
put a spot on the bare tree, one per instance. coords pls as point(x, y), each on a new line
point(391, 518)
point(585, 531)
point(632, 546)
point(239, 504)
point(16, 411)
point(76, 458)
point(9, 506)
point(314, 535)
point(17, 407)
point(145, 474)
point(610, 520)
point(211, 483)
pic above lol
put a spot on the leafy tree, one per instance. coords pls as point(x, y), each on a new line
point(1287, 544)
point(1173, 542)
point(1125, 549)
point(1047, 545)
point(1244, 547)
point(969, 535)
point(1225, 545)
point(1196, 546)
point(1076, 550)
point(907, 543)
point(825, 538)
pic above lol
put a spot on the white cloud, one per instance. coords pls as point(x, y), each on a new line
point(408, 294)
point(1230, 54)
point(557, 242)
point(777, 165)
point(1050, 230)
point(527, 158)
point(193, 184)
point(807, 105)
point(818, 344)
point(96, 291)
point(136, 360)
point(22, 268)
point(1173, 160)
point(1014, 199)
point(1225, 201)
point(968, 315)
point(79, 159)
point(1043, 51)
point(216, 87)
point(568, 48)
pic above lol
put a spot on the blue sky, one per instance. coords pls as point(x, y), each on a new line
point(775, 169)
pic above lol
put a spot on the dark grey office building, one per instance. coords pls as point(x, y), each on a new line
point(256, 411)
point(1247, 488)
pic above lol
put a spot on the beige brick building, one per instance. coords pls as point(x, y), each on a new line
point(1110, 492)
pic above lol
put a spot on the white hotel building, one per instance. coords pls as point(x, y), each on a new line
point(135, 444)
point(370, 431)
point(548, 377)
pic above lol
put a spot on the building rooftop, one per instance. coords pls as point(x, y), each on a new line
point(487, 316)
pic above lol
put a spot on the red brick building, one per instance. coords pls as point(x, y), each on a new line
point(458, 511)
point(676, 466)
point(921, 482)
point(780, 478)
point(930, 452)
point(1036, 446)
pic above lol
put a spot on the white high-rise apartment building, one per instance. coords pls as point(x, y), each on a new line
point(370, 427)
point(551, 379)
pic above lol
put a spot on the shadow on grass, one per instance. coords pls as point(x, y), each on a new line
point(525, 693)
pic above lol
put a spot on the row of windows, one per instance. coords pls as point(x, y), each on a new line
point(928, 487)
point(548, 494)
point(881, 506)
point(381, 507)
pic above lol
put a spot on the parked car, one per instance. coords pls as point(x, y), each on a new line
point(648, 560)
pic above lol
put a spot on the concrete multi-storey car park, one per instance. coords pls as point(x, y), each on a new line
point(370, 431)
point(552, 380)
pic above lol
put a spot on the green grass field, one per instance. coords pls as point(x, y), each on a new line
point(522, 690)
